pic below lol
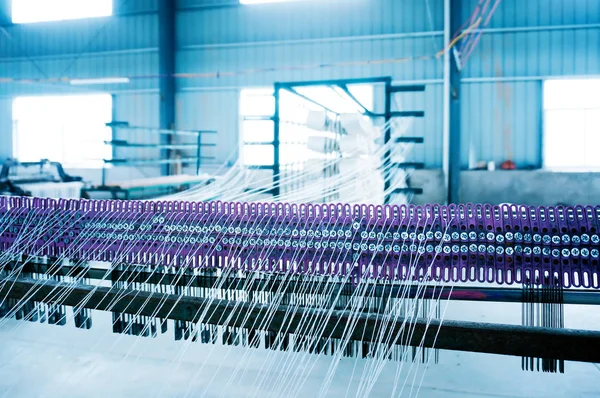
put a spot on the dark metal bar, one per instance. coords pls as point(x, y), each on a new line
point(407, 88)
point(338, 82)
point(443, 292)
point(415, 140)
point(565, 344)
point(452, 140)
point(408, 114)
point(401, 114)
point(312, 101)
point(410, 165)
point(166, 66)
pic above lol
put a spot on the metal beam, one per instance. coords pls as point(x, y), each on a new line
point(452, 132)
point(281, 286)
point(565, 344)
point(166, 62)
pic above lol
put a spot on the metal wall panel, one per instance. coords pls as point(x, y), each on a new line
point(55, 52)
point(525, 42)
point(501, 121)
point(212, 110)
point(255, 46)
point(519, 13)
point(306, 20)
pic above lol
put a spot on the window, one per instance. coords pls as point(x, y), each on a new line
point(572, 124)
point(68, 129)
point(257, 107)
point(28, 11)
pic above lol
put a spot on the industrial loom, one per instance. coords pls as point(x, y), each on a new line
point(42, 179)
point(360, 281)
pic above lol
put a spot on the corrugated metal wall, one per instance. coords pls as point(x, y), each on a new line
point(124, 45)
point(525, 42)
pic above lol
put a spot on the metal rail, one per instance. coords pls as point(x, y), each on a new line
point(565, 344)
point(276, 284)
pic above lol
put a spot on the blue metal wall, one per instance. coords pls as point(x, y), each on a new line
point(526, 42)
point(124, 45)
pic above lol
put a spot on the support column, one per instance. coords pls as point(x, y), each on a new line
point(452, 128)
point(166, 66)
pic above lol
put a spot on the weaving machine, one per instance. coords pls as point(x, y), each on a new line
point(337, 280)
point(42, 179)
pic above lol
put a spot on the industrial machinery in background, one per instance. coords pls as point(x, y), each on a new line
point(174, 155)
point(42, 179)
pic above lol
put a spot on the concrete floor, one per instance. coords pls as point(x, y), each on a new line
point(50, 361)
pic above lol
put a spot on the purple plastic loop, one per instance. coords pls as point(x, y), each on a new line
point(589, 226)
point(364, 214)
point(571, 259)
point(456, 265)
point(555, 220)
point(514, 260)
point(496, 270)
point(15, 202)
point(471, 241)
point(596, 231)
point(544, 214)
point(37, 203)
point(527, 245)
point(591, 263)
point(481, 231)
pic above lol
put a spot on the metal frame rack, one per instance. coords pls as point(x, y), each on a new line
point(388, 114)
point(162, 159)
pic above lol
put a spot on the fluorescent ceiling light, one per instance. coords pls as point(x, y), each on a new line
point(105, 80)
point(265, 1)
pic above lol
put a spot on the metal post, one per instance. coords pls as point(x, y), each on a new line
point(387, 136)
point(198, 152)
point(166, 55)
point(276, 143)
point(452, 133)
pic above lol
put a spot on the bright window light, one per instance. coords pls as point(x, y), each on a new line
point(70, 129)
point(257, 107)
point(29, 11)
point(572, 124)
